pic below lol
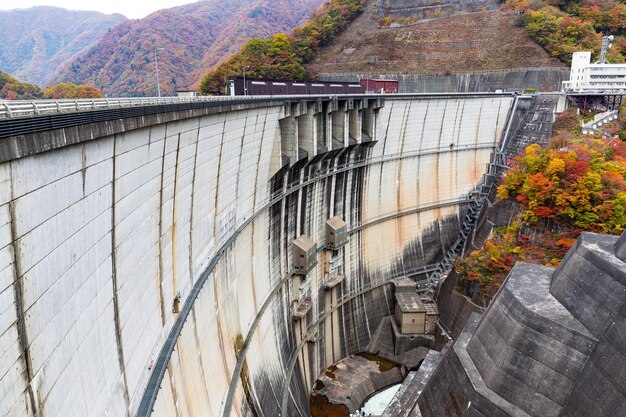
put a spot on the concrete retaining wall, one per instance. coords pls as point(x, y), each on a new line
point(550, 344)
point(454, 308)
point(541, 79)
point(425, 8)
point(102, 241)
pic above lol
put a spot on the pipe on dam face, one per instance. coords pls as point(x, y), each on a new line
point(202, 209)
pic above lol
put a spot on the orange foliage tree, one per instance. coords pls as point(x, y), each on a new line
point(283, 56)
point(70, 90)
point(563, 27)
point(575, 184)
point(581, 185)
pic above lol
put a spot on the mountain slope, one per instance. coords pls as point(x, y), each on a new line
point(430, 39)
point(190, 39)
point(283, 56)
point(38, 40)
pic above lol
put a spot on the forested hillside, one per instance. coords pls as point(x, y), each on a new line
point(442, 37)
point(37, 41)
point(353, 36)
point(188, 39)
point(13, 89)
point(284, 56)
point(575, 184)
point(566, 26)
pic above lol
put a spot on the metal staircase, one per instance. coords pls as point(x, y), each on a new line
point(484, 191)
point(445, 265)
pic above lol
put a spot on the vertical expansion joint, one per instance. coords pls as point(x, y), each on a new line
point(161, 295)
point(19, 304)
point(620, 247)
point(191, 217)
point(116, 307)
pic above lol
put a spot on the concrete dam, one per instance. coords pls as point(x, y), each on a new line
point(147, 253)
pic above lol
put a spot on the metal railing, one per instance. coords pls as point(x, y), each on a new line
point(445, 265)
point(10, 109)
point(21, 108)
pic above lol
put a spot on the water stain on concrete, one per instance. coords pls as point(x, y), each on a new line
point(245, 375)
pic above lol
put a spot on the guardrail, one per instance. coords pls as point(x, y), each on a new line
point(10, 109)
point(20, 108)
point(594, 91)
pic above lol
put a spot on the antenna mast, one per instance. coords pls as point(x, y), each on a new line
point(606, 45)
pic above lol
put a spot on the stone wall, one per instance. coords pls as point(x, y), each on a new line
point(428, 8)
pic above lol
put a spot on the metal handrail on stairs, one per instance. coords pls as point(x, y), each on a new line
point(445, 265)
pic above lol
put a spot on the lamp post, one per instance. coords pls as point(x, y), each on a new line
point(156, 64)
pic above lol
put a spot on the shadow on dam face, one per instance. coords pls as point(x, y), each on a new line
point(197, 206)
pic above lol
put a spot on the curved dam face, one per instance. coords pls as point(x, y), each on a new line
point(176, 230)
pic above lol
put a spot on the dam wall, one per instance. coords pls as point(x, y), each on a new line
point(146, 262)
point(541, 79)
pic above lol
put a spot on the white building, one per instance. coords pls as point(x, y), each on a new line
point(587, 77)
point(186, 93)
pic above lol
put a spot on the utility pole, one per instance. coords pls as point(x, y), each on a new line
point(245, 86)
point(156, 64)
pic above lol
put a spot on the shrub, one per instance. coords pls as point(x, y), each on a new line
point(561, 190)
point(70, 90)
point(568, 120)
point(385, 21)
